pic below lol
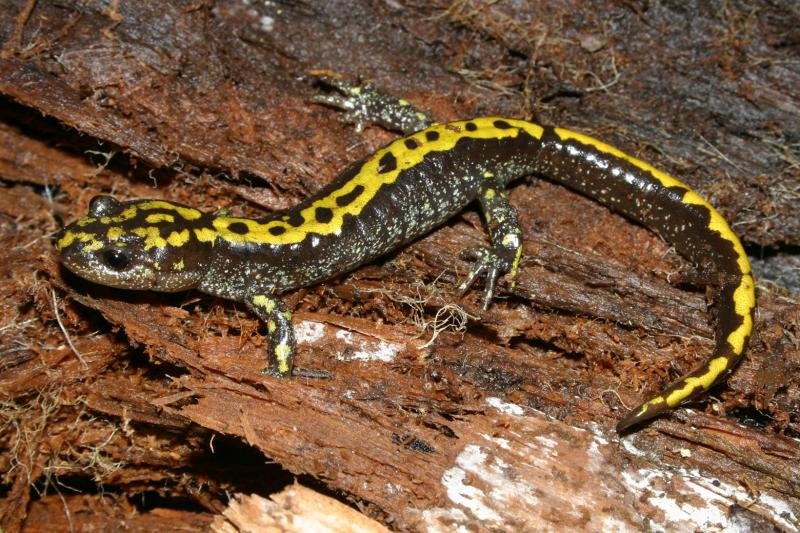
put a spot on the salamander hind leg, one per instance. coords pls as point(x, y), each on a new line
point(364, 104)
point(280, 332)
point(505, 234)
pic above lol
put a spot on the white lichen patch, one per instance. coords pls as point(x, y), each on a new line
point(696, 503)
point(357, 347)
point(497, 484)
point(367, 350)
point(308, 332)
point(628, 446)
point(547, 444)
point(504, 407)
point(503, 443)
point(466, 495)
point(530, 473)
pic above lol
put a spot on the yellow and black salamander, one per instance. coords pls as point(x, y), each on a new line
point(396, 195)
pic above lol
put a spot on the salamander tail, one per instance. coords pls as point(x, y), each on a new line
point(735, 303)
point(690, 386)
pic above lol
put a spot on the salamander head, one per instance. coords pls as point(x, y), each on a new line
point(141, 244)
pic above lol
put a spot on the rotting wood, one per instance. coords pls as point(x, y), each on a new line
point(468, 430)
point(295, 509)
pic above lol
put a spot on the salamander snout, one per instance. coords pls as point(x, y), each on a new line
point(143, 245)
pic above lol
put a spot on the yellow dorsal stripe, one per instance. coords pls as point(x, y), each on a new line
point(717, 222)
point(371, 179)
point(744, 299)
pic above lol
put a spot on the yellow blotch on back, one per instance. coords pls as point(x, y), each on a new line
point(267, 303)
point(126, 214)
point(72, 236)
point(152, 237)
point(114, 233)
point(68, 238)
point(282, 353)
point(716, 367)
point(178, 238)
point(155, 218)
point(206, 235)
point(186, 212)
point(256, 231)
point(718, 224)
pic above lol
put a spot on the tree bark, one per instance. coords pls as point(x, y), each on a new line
point(149, 409)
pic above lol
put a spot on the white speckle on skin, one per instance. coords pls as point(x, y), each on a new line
point(267, 23)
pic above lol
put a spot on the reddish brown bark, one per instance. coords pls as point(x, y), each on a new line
point(507, 423)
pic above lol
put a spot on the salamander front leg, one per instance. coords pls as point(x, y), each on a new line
point(505, 234)
point(280, 332)
point(365, 104)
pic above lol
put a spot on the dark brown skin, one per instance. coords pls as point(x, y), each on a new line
point(397, 195)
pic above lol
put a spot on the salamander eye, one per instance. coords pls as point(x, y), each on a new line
point(103, 206)
point(116, 259)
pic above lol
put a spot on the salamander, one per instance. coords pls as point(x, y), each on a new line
point(394, 196)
